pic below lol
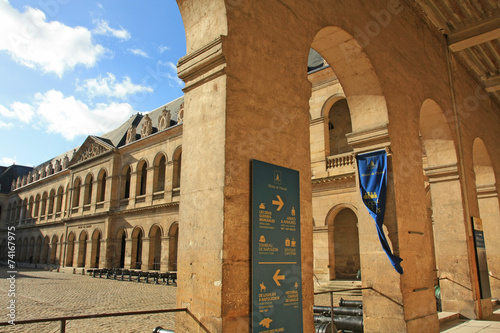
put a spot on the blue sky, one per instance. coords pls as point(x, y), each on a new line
point(73, 68)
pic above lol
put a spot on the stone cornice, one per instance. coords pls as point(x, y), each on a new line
point(442, 173)
point(202, 65)
point(369, 140)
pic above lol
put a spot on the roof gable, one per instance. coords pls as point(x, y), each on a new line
point(91, 148)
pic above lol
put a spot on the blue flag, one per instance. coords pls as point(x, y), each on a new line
point(372, 168)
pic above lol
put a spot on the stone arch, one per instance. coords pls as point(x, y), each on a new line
point(53, 252)
point(89, 185)
point(82, 249)
point(155, 239)
point(343, 242)
point(95, 252)
point(59, 199)
point(439, 161)
point(52, 198)
point(142, 177)
point(38, 250)
point(76, 192)
point(137, 241)
point(43, 204)
point(339, 125)
point(160, 171)
point(36, 213)
point(31, 251)
point(30, 207)
point(126, 176)
point(101, 185)
point(120, 250)
point(45, 256)
point(173, 240)
point(70, 251)
point(489, 210)
point(325, 109)
point(355, 72)
point(177, 160)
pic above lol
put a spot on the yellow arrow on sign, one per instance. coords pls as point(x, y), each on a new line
point(277, 277)
point(278, 203)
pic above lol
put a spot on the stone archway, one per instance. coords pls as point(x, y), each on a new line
point(137, 240)
point(82, 249)
point(452, 247)
point(173, 236)
point(95, 253)
point(346, 263)
point(155, 235)
point(120, 249)
point(489, 211)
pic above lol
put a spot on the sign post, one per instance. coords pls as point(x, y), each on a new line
point(276, 261)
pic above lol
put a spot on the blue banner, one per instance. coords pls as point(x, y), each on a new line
point(372, 168)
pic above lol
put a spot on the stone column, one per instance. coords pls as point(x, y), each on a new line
point(487, 197)
point(453, 241)
point(145, 254)
point(128, 253)
point(319, 137)
point(164, 261)
point(133, 188)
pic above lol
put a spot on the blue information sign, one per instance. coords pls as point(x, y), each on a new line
point(276, 264)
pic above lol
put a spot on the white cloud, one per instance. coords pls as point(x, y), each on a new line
point(139, 52)
point(21, 111)
point(6, 125)
point(7, 161)
point(162, 49)
point(103, 28)
point(49, 46)
point(108, 86)
point(68, 116)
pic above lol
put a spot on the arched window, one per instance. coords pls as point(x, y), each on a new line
point(59, 199)
point(76, 193)
point(176, 179)
point(36, 213)
point(142, 178)
point(339, 125)
point(88, 189)
point(43, 208)
point(101, 186)
point(30, 208)
point(52, 198)
point(126, 182)
point(159, 179)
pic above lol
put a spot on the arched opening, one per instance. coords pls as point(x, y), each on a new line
point(38, 250)
point(159, 173)
point(176, 177)
point(445, 208)
point(31, 251)
point(96, 249)
point(89, 183)
point(339, 125)
point(53, 252)
point(126, 176)
point(101, 187)
point(70, 249)
point(36, 213)
point(30, 208)
point(121, 241)
point(45, 256)
point(52, 197)
point(155, 248)
point(137, 235)
point(173, 239)
point(142, 178)
point(43, 208)
point(82, 249)
point(76, 193)
point(346, 263)
point(489, 211)
point(59, 200)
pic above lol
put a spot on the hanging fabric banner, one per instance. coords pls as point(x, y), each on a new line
point(372, 168)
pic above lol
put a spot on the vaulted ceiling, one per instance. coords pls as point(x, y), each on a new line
point(472, 30)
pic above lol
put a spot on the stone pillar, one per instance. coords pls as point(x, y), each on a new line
point(128, 253)
point(322, 260)
point(453, 237)
point(145, 254)
point(319, 137)
point(164, 254)
point(214, 263)
point(168, 180)
point(133, 188)
point(490, 214)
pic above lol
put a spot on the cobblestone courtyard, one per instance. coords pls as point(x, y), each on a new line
point(45, 294)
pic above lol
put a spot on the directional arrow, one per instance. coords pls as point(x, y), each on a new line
point(278, 203)
point(277, 277)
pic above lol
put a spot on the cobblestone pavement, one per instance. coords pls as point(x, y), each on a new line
point(45, 294)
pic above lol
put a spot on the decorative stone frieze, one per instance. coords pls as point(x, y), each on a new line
point(164, 120)
point(147, 127)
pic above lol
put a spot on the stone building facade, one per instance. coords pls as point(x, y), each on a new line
point(418, 79)
point(112, 202)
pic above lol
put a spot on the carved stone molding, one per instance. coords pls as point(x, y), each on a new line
point(369, 140)
point(442, 173)
point(147, 127)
